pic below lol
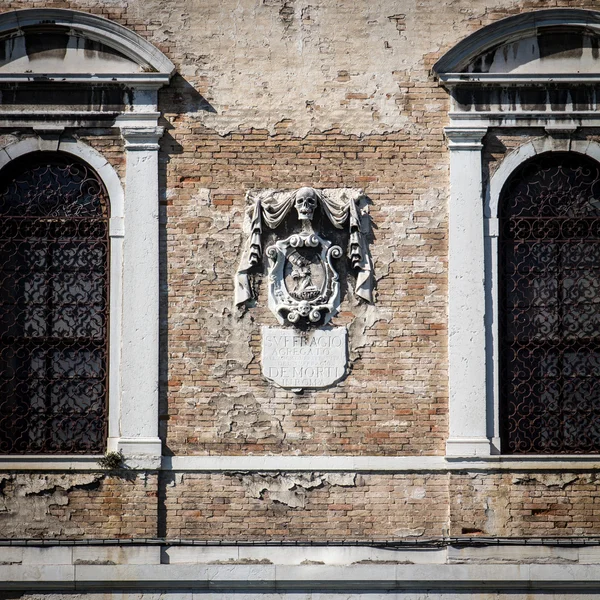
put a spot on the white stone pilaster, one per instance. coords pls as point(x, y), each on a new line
point(140, 346)
point(466, 297)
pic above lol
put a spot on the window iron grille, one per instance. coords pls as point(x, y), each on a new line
point(549, 254)
point(54, 257)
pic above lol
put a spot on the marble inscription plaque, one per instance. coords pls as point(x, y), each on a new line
point(312, 359)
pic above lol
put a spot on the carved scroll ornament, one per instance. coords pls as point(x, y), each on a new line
point(304, 294)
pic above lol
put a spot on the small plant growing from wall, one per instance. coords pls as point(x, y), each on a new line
point(112, 460)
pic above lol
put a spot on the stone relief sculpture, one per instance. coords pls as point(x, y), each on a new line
point(303, 282)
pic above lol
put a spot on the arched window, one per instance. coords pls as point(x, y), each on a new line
point(520, 87)
point(54, 275)
point(549, 306)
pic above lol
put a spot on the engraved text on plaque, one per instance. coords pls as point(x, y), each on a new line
point(312, 359)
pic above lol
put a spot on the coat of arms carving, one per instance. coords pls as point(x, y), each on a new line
point(303, 280)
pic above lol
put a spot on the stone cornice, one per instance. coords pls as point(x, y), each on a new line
point(142, 138)
point(465, 138)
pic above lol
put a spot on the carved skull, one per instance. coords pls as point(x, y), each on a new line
point(304, 308)
point(306, 202)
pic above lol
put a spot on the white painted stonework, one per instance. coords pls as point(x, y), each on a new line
point(189, 571)
point(294, 359)
point(466, 300)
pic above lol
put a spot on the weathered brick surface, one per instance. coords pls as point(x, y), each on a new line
point(365, 507)
point(82, 505)
point(304, 507)
point(524, 504)
point(394, 401)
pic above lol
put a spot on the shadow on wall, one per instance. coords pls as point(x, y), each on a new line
point(182, 97)
point(179, 97)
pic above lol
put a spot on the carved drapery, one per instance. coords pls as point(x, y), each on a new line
point(270, 207)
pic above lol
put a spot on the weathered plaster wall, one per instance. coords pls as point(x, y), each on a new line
point(77, 505)
point(315, 506)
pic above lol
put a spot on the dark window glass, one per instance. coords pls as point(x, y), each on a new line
point(549, 255)
point(54, 250)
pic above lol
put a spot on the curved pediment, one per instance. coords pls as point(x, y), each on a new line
point(538, 45)
point(62, 43)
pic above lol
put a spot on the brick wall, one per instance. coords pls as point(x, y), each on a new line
point(394, 400)
point(304, 506)
point(78, 505)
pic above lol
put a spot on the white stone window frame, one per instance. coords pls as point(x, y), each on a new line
point(133, 230)
point(473, 222)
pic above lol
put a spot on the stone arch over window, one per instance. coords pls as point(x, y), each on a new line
point(65, 76)
point(533, 75)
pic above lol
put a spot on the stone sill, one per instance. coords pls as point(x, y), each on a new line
point(354, 464)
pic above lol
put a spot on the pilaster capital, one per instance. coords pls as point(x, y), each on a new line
point(142, 138)
point(465, 138)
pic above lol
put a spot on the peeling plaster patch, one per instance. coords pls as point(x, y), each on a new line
point(409, 533)
point(234, 335)
point(366, 316)
point(340, 479)
point(26, 501)
point(561, 480)
point(383, 562)
point(497, 512)
point(291, 490)
point(200, 199)
point(243, 561)
point(241, 417)
point(385, 257)
point(419, 493)
point(45, 485)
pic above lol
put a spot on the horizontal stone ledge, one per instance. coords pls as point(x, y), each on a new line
point(307, 578)
point(388, 464)
point(352, 464)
